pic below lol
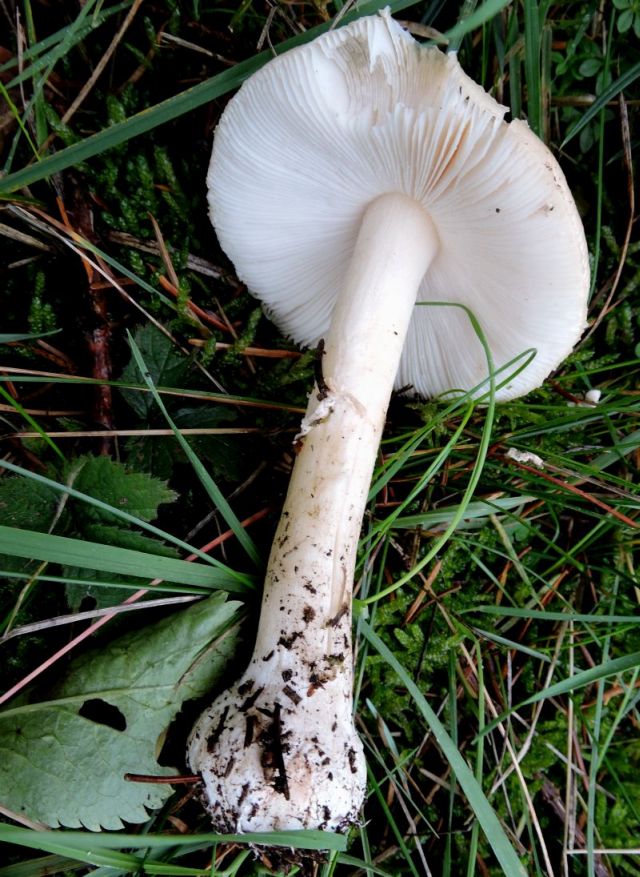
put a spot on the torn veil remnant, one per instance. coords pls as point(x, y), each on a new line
point(351, 178)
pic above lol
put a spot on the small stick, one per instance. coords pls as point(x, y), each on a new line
point(172, 781)
point(323, 389)
point(249, 351)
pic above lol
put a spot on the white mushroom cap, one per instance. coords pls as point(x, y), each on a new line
point(320, 132)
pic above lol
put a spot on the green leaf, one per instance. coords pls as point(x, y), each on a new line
point(611, 92)
point(625, 20)
point(223, 453)
point(591, 66)
point(165, 365)
point(105, 479)
point(60, 767)
point(117, 536)
point(26, 503)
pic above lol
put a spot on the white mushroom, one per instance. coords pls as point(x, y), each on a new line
point(350, 179)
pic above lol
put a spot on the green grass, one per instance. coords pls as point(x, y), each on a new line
point(496, 625)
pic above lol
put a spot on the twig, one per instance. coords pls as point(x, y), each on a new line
point(164, 391)
point(195, 309)
point(194, 263)
point(43, 412)
point(100, 331)
point(581, 493)
point(28, 240)
point(169, 781)
point(61, 620)
point(249, 351)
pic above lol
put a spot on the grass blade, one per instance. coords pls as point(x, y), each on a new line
point(162, 587)
point(40, 867)
point(532, 65)
point(478, 465)
point(214, 492)
point(547, 615)
point(479, 510)
point(22, 336)
point(33, 423)
point(84, 843)
point(612, 91)
point(110, 558)
point(69, 37)
point(484, 812)
point(476, 19)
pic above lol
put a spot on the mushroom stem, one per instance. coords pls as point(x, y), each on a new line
point(279, 750)
point(318, 534)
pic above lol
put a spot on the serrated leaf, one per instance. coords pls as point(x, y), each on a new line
point(137, 493)
point(61, 768)
point(155, 455)
point(223, 453)
point(166, 367)
point(26, 503)
point(111, 535)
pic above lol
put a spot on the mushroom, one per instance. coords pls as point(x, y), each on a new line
point(350, 179)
